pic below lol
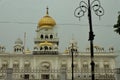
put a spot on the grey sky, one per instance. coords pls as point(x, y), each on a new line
point(12, 12)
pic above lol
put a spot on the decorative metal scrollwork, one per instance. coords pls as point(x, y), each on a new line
point(83, 8)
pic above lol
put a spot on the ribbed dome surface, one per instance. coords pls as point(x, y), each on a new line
point(47, 21)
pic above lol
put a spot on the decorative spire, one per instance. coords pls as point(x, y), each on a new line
point(47, 13)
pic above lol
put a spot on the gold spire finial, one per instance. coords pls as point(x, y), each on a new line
point(47, 10)
point(47, 21)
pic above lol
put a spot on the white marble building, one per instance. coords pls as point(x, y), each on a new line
point(46, 62)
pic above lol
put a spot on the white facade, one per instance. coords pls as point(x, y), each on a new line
point(46, 62)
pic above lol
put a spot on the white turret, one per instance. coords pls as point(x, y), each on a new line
point(46, 41)
point(2, 48)
point(18, 47)
point(72, 46)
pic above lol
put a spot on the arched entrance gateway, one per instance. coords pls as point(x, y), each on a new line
point(45, 68)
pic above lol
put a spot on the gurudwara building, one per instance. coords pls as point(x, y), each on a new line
point(45, 62)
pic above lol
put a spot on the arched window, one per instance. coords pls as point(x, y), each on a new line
point(64, 64)
point(46, 36)
point(85, 66)
point(51, 36)
point(16, 65)
point(41, 36)
point(41, 48)
point(50, 48)
point(4, 64)
point(26, 65)
point(106, 65)
point(15, 49)
point(2, 48)
point(46, 48)
point(20, 50)
point(45, 66)
point(35, 48)
point(96, 66)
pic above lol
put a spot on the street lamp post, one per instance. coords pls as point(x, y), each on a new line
point(73, 50)
point(72, 62)
point(99, 11)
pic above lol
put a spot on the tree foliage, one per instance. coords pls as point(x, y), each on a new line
point(117, 26)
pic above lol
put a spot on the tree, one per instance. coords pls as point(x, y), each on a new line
point(117, 26)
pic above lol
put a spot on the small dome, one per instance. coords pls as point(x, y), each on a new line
point(46, 21)
point(18, 41)
point(1, 46)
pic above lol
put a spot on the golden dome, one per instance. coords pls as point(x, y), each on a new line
point(46, 43)
point(46, 21)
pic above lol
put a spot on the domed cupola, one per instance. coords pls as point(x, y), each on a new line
point(47, 21)
point(18, 47)
point(2, 48)
point(18, 41)
point(72, 45)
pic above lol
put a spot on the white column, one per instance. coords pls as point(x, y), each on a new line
point(34, 63)
point(101, 64)
point(10, 61)
point(21, 64)
point(0, 63)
